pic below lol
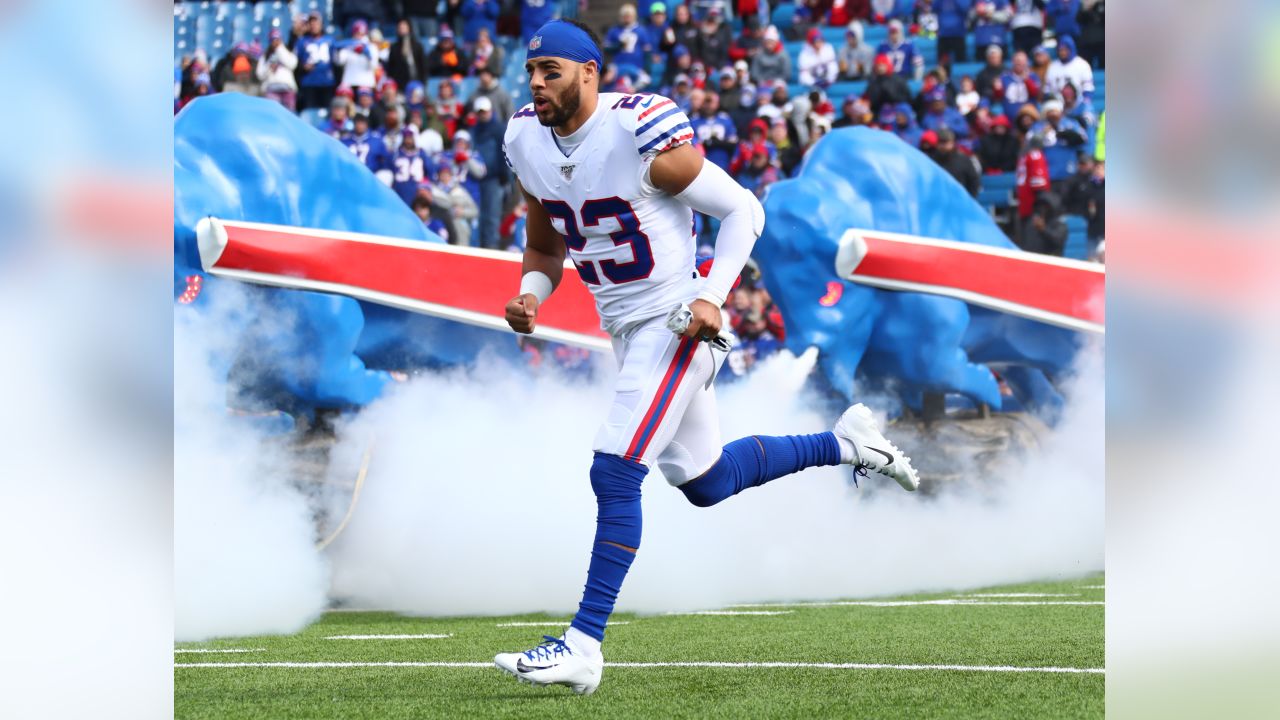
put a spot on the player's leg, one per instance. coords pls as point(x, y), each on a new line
point(655, 371)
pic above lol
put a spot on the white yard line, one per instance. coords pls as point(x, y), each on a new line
point(562, 623)
point(747, 665)
point(1018, 595)
point(915, 603)
point(1092, 587)
point(734, 612)
point(388, 637)
point(218, 650)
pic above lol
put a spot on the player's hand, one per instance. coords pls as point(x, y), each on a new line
point(706, 320)
point(522, 312)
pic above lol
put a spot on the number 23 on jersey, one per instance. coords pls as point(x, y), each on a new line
point(628, 233)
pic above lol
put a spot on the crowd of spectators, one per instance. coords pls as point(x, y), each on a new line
point(754, 107)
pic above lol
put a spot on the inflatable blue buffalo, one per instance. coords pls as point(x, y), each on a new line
point(909, 343)
point(243, 158)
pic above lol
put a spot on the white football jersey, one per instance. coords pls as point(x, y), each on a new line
point(633, 244)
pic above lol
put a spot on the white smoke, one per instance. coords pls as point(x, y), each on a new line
point(478, 501)
point(244, 555)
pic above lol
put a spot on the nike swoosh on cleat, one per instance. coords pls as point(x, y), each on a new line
point(521, 667)
point(886, 455)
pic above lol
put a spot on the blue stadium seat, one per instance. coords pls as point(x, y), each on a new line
point(959, 70)
point(839, 91)
point(1005, 182)
point(834, 35)
point(783, 15)
point(1077, 246)
point(989, 197)
point(873, 35)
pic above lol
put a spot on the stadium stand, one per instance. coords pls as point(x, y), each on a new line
point(207, 33)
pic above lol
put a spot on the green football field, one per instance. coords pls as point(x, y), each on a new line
point(1027, 651)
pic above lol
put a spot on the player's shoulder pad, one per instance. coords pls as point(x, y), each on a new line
point(656, 121)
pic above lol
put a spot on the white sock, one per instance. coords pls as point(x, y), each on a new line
point(847, 452)
point(582, 643)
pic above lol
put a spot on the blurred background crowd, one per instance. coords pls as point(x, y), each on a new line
point(1007, 96)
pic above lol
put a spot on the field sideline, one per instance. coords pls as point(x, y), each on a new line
point(1029, 650)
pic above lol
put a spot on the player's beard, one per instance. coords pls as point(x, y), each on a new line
point(568, 106)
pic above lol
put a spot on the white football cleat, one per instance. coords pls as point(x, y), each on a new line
point(554, 663)
point(872, 450)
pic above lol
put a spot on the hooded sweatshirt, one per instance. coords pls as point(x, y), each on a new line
point(1075, 70)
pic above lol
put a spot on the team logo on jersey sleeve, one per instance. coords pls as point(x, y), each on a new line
point(567, 171)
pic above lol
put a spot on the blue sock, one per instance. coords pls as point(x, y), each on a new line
point(756, 460)
point(616, 483)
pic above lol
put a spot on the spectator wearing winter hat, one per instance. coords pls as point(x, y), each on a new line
point(411, 167)
point(998, 149)
point(939, 114)
point(1028, 115)
point(757, 132)
point(468, 167)
point(904, 124)
point(1077, 108)
point(681, 93)
point(952, 18)
point(772, 62)
point(1069, 68)
point(366, 106)
point(275, 71)
point(991, 24)
point(478, 14)
point(854, 111)
point(1040, 61)
point(817, 61)
point(488, 135)
point(242, 78)
point(855, 56)
point(1044, 232)
point(446, 58)
point(714, 39)
point(339, 122)
point(958, 165)
point(1062, 138)
point(907, 61)
point(1018, 86)
point(680, 62)
point(314, 50)
point(500, 100)
point(714, 131)
point(406, 58)
point(359, 58)
point(759, 171)
point(990, 73)
point(661, 37)
point(886, 87)
point(368, 147)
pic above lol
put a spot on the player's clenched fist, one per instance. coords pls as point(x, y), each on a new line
point(706, 320)
point(522, 312)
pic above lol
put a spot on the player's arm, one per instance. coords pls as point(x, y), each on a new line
point(703, 186)
point(542, 267)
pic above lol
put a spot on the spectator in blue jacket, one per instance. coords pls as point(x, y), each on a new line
point(991, 24)
point(938, 114)
point(952, 15)
point(411, 166)
point(478, 14)
point(488, 132)
point(907, 61)
point(534, 14)
point(715, 130)
point(1062, 137)
point(315, 65)
point(1062, 13)
point(628, 43)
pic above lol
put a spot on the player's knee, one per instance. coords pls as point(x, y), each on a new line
point(707, 489)
point(616, 482)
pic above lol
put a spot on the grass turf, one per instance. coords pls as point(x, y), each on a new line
point(976, 635)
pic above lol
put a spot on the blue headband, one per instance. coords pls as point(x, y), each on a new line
point(564, 40)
